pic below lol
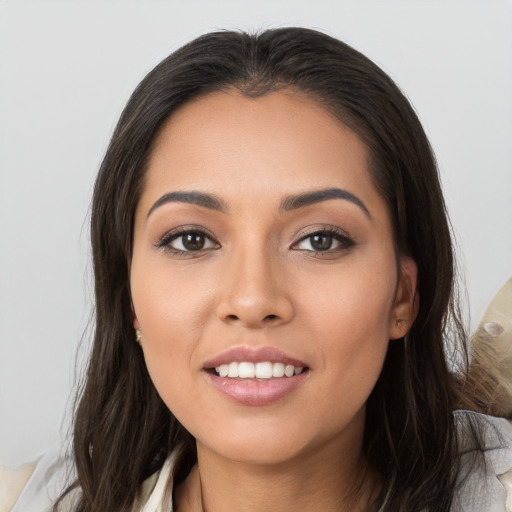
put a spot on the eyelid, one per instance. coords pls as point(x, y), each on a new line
point(319, 228)
point(164, 241)
point(337, 233)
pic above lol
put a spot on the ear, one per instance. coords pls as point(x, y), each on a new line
point(406, 304)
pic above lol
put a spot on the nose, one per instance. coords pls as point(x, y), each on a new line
point(254, 292)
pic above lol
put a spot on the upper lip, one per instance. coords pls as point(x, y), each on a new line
point(253, 355)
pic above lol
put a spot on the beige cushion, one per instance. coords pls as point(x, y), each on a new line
point(492, 358)
point(12, 482)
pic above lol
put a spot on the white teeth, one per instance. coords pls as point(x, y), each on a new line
point(233, 370)
point(262, 370)
point(278, 370)
point(246, 370)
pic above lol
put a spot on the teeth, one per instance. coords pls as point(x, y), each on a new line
point(233, 370)
point(246, 370)
point(278, 370)
point(263, 370)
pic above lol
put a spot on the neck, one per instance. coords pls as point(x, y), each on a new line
point(326, 478)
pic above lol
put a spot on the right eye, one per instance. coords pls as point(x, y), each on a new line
point(187, 241)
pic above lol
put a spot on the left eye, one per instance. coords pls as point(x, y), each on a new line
point(190, 241)
point(324, 241)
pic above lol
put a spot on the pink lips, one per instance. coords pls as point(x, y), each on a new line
point(255, 392)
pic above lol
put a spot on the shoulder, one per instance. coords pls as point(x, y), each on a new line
point(485, 471)
point(34, 487)
point(12, 482)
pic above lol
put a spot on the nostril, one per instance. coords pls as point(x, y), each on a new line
point(270, 317)
point(232, 317)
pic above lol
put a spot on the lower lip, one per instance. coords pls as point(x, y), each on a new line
point(256, 392)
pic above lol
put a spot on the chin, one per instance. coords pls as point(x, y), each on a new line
point(268, 453)
point(267, 444)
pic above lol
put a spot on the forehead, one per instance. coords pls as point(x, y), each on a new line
point(283, 142)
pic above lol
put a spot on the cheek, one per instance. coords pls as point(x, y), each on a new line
point(348, 318)
point(168, 301)
point(351, 303)
point(172, 310)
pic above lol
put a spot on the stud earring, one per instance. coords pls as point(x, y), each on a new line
point(138, 335)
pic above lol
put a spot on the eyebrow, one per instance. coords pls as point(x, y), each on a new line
point(318, 196)
point(197, 198)
point(288, 204)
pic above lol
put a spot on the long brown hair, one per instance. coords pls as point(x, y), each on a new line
point(123, 431)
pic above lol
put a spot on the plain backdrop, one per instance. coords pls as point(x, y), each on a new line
point(66, 70)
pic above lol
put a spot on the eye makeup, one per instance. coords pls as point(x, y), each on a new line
point(327, 239)
point(189, 240)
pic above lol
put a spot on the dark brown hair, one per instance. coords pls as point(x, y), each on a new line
point(123, 431)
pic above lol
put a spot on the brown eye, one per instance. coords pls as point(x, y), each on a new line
point(187, 241)
point(193, 241)
point(321, 242)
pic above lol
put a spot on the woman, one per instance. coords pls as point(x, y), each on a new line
point(274, 296)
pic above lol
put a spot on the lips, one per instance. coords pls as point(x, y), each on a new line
point(255, 376)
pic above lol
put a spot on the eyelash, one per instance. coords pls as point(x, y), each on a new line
point(165, 242)
point(331, 232)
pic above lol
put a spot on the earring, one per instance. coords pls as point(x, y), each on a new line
point(138, 335)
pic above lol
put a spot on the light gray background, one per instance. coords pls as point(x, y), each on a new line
point(66, 70)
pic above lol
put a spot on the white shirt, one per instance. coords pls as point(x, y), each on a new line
point(489, 491)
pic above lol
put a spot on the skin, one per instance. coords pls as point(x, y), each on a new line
point(259, 282)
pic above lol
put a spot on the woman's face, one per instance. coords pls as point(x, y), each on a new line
point(261, 247)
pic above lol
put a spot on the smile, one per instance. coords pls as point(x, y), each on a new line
point(255, 377)
point(260, 370)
